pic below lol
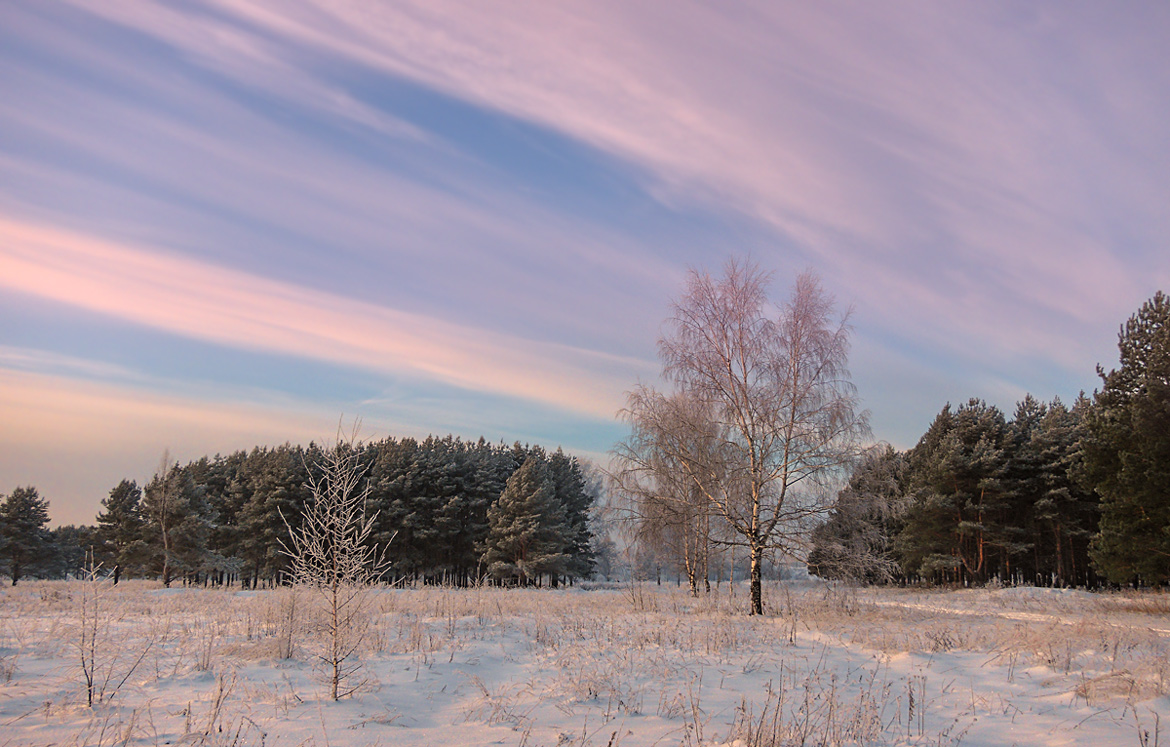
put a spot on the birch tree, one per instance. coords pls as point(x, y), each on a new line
point(330, 553)
point(669, 511)
point(778, 399)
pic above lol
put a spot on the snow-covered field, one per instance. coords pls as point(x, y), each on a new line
point(634, 666)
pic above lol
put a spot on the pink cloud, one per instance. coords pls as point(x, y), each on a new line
point(202, 301)
point(106, 433)
point(877, 137)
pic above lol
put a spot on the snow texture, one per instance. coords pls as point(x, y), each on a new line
point(628, 666)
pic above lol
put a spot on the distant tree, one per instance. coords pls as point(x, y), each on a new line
point(527, 527)
point(856, 542)
point(69, 551)
point(658, 473)
point(1127, 451)
point(120, 529)
point(23, 537)
point(605, 519)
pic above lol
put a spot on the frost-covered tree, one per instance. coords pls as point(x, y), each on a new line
point(527, 526)
point(657, 474)
point(780, 402)
point(330, 553)
point(856, 542)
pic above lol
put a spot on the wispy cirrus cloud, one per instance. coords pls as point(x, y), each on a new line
point(952, 166)
point(228, 307)
point(966, 161)
point(515, 191)
point(202, 156)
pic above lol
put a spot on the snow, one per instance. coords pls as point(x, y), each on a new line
point(630, 667)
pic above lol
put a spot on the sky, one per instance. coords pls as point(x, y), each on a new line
point(234, 223)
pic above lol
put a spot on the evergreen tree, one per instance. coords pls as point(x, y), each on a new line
point(217, 477)
point(527, 526)
point(179, 523)
point(491, 468)
point(69, 551)
point(120, 529)
point(223, 518)
point(388, 502)
point(408, 502)
point(855, 542)
point(1057, 514)
point(1127, 451)
point(570, 488)
point(958, 525)
point(439, 480)
point(270, 488)
point(23, 537)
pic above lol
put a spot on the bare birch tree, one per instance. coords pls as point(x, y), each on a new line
point(331, 555)
point(777, 401)
point(668, 510)
point(160, 509)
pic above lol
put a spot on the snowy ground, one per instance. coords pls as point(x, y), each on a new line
point(632, 667)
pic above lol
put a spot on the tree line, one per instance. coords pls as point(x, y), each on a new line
point(444, 510)
point(1062, 495)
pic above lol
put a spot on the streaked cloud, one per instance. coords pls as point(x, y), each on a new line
point(483, 208)
point(922, 155)
point(202, 301)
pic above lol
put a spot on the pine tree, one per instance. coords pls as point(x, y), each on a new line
point(492, 465)
point(179, 523)
point(120, 528)
point(1127, 451)
point(68, 551)
point(23, 537)
point(527, 526)
point(412, 500)
point(570, 488)
point(217, 477)
point(855, 543)
point(271, 488)
point(958, 525)
point(440, 481)
point(1057, 514)
point(387, 501)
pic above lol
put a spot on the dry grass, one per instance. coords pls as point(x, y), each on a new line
point(699, 670)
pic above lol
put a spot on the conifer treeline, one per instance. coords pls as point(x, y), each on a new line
point(979, 498)
point(1055, 495)
point(440, 514)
